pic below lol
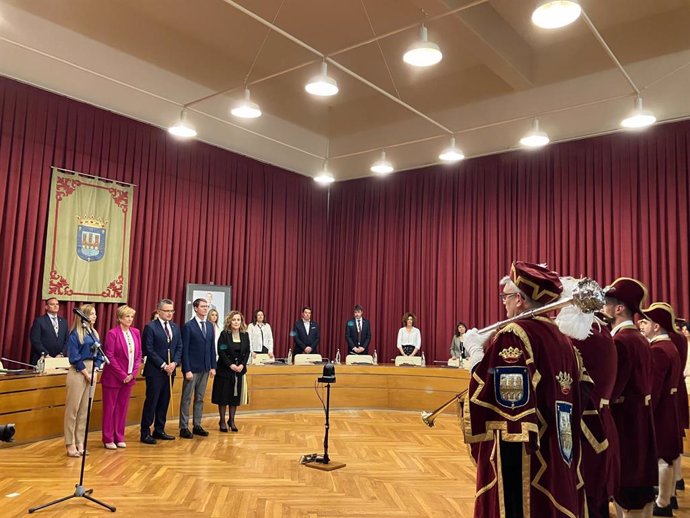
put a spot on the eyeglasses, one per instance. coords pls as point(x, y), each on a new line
point(166, 311)
point(504, 296)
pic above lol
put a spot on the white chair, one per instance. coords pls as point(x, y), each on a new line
point(262, 359)
point(361, 359)
point(408, 360)
point(307, 359)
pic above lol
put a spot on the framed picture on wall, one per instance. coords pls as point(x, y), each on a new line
point(218, 297)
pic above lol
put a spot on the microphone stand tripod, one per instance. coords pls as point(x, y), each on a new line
point(79, 490)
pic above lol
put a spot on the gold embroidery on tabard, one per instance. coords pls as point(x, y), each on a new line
point(597, 446)
point(510, 354)
point(565, 381)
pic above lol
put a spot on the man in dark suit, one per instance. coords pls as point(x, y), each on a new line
point(48, 333)
point(306, 334)
point(358, 333)
point(198, 361)
point(162, 344)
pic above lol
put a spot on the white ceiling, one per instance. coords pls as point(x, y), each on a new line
point(148, 58)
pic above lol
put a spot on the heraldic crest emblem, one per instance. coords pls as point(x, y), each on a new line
point(91, 233)
point(511, 386)
point(564, 420)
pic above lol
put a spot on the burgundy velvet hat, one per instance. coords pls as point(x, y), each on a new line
point(662, 314)
point(536, 281)
point(629, 291)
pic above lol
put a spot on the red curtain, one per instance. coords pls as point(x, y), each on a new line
point(201, 215)
point(437, 241)
point(434, 241)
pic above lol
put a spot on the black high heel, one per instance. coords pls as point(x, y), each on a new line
point(232, 426)
point(221, 427)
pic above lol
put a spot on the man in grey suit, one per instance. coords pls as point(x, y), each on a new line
point(198, 361)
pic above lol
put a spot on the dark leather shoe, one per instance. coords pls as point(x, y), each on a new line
point(233, 427)
point(186, 434)
point(680, 485)
point(198, 430)
point(662, 511)
point(163, 436)
point(674, 502)
point(148, 440)
point(222, 427)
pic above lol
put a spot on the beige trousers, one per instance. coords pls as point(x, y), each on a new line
point(76, 405)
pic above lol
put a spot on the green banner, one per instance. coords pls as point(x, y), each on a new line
point(87, 244)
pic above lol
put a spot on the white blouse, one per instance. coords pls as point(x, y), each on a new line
point(260, 335)
point(414, 337)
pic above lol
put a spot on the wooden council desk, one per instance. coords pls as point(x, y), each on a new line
point(35, 403)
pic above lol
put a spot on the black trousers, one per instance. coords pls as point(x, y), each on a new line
point(511, 471)
point(155, 405)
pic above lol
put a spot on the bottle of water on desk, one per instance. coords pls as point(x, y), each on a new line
point(423, 360)
point(337, 357)
point(289, 357)
point(375, 358)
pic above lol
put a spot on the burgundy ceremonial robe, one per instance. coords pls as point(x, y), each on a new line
point(632, 412)
point(525, 392)
point(666, 362)
point(600, 448)
point(682, 399)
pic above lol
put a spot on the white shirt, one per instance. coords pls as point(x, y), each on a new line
point(129, 340)
point(414, 337)
point(202, 324)
point(307, 323)
point(260, 335)
point(620, 326)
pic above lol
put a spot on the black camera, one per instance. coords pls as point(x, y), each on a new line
point(6, 432)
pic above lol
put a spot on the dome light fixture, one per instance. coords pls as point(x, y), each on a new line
point(246, 108)
point(639, 118)
point(452, 153)
point(382, 166)
point(423, 53)
point(182, 128)
point(535, 138)
point(554, 14)
point(325, 177)
point(322, 84)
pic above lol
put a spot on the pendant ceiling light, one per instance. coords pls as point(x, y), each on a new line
point(423, 53)
point(639, 118)
point(325, 177)
point(382, 166)
point(246, 108)
point(322, 84)
point(535, 138)
point(553, 14)
point(452, 153)
point(182, 128)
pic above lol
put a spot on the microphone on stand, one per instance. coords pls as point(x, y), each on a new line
point(85, 324)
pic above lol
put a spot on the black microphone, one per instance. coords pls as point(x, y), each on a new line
point(78, 311)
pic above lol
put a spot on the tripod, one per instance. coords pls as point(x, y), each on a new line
point(79, 490)
point(323, 462)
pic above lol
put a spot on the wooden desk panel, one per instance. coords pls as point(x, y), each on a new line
point(36, 403)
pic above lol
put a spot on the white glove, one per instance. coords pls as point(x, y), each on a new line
point(474, 345)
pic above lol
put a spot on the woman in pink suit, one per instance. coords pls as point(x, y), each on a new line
point(123, 348)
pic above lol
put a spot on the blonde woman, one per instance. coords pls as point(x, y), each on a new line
point(229, 384)
point(213, 317)
point(79, 352)
point(123, 348)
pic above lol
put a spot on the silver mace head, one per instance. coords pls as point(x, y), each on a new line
point(588, 295)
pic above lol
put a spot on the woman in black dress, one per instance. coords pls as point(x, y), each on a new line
point(233, 354)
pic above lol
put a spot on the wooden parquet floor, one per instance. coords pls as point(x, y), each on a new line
point(396, 468)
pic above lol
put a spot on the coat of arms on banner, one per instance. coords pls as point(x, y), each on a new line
point(91, 238)
point(564, 420)
point(511, 386)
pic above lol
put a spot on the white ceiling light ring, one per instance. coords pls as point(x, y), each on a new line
point(182, 128)
point(325, 177)
point(639, 118)
point(423, 53)
point(246, 108)
point(535, 138)
point(382, 166)
point(554, 14)
point(322, 84)
point(452, 153)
